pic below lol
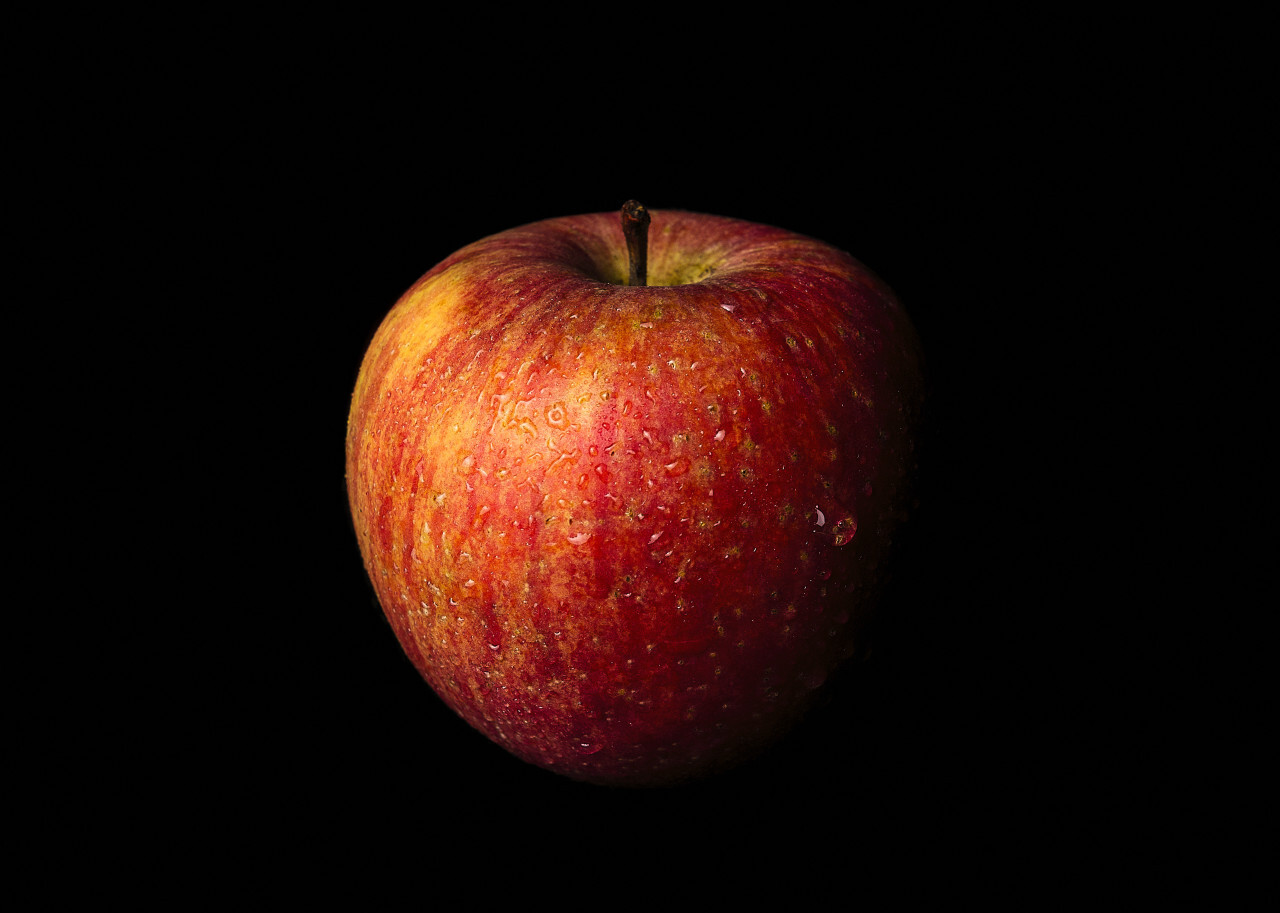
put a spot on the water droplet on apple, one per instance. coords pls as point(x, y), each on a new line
point(557, 417)
point(844, 530)
point(678, 467)
point(579, 539)
point(822, 518)
point(585, 747)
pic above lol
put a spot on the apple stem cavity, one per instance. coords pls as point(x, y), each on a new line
point(635, 228)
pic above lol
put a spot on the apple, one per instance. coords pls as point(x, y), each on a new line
point(623, 483)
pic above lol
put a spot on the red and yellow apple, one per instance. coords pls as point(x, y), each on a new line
point(624, 510)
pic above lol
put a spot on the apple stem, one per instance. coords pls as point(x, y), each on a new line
point(635, 227)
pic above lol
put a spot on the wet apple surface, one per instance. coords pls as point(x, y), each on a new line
point(625, 531)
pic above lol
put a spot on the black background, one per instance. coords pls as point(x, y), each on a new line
point(302, 193)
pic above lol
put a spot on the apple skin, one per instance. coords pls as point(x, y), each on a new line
point(628, 532)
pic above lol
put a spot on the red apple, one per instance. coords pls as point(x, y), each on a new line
point(628, 530)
